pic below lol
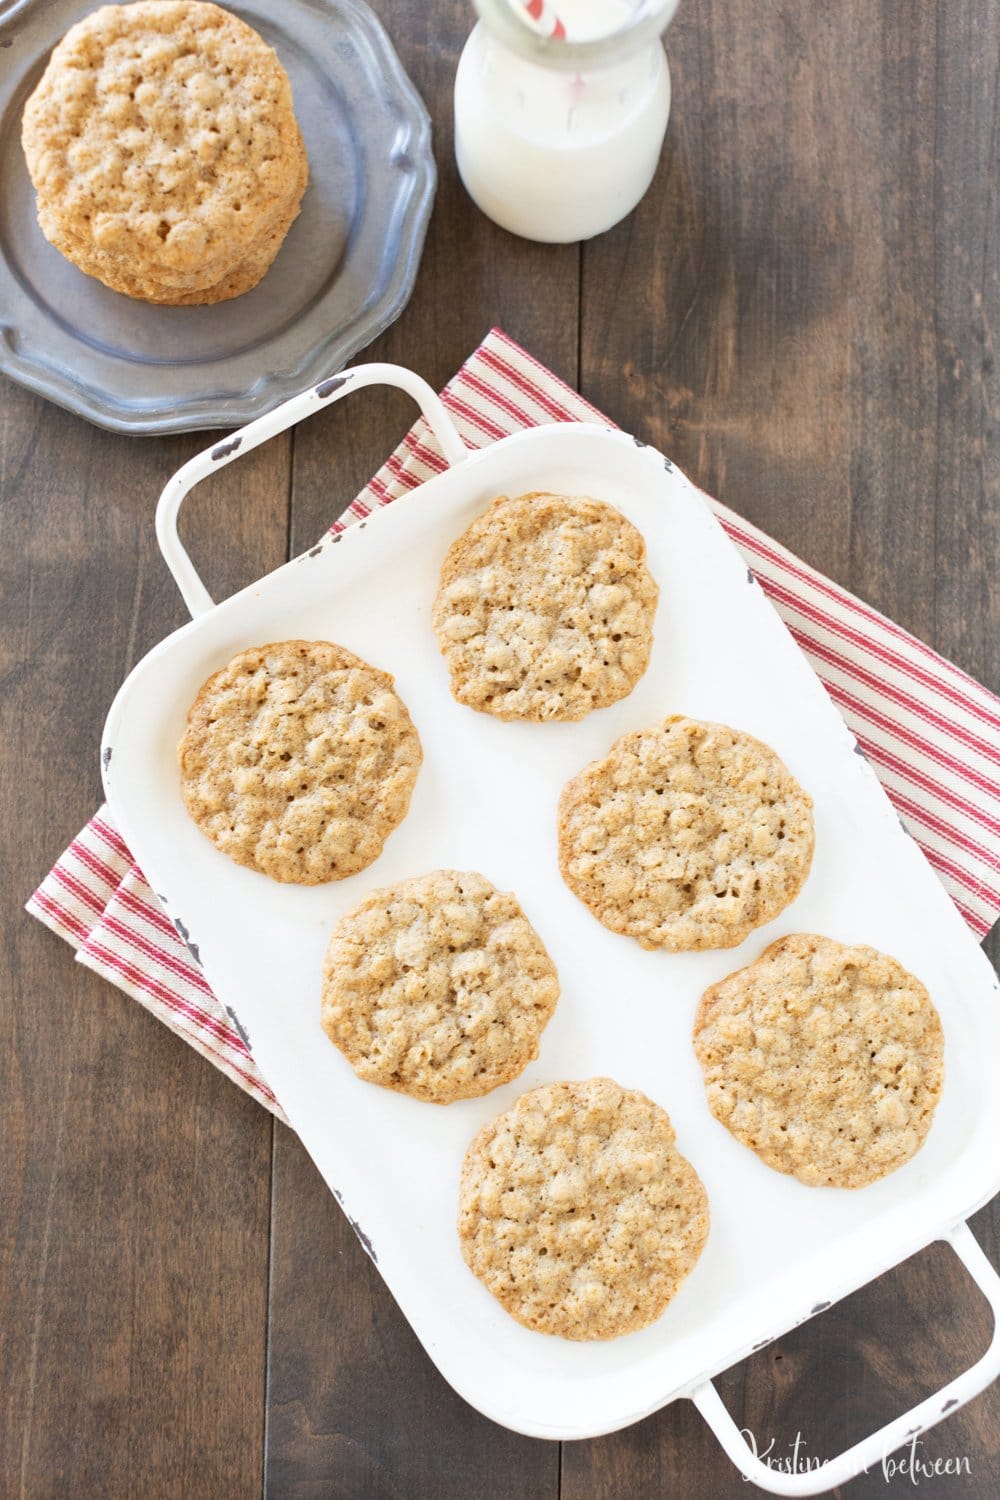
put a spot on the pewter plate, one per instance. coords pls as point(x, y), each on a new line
point(344, 273)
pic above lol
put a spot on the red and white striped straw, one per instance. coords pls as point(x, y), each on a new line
point(544, 18)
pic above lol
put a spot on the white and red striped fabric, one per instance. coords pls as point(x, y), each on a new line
point(931, 732)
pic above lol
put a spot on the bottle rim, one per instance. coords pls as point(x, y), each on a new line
point(508, 22)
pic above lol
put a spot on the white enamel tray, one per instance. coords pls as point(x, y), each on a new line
point(485, 799)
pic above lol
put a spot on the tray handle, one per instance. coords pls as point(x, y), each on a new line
point(870, 1451)
point(324, 393)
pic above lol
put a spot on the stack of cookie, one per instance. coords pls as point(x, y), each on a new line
point(164, 151)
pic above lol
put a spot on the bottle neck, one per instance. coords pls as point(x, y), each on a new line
point(595, 33)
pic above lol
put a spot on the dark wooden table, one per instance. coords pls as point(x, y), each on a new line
point(803, 313)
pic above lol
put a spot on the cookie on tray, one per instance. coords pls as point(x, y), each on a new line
point(687, 835)
point(164, 150)
point(438, 987)
point(826, 1059)
point(545, 609)
point(578, 1212)
point(299, 760)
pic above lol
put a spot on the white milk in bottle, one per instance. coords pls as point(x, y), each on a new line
point(560, 113)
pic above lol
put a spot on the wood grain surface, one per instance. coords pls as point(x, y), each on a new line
point(803, 313)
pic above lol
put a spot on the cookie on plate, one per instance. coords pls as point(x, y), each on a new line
point(164, 150)
point(438, 987)
point(242, 278)
point(826, 1059)
point(687, 835)
point(578, 1212)
point(299, 760)
point(545, 609)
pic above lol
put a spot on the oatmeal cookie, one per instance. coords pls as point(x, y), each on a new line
point(438, 987)
point(299, 760)
point(826, 1059)
point(545, 609)
point(578, 1212)
point(163, 146)
point(175, 291)
point(687, 835)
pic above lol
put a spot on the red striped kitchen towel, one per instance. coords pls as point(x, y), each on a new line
point(931, 732)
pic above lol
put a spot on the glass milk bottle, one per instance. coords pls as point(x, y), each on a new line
point(560, 112)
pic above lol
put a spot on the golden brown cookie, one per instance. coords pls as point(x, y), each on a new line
point(545, 609)
point(163, 146)
point(578, 1212)
point(242, 278)
point(687, 835)
point(438, 987)
point(299, 760)
point(826, 1059)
